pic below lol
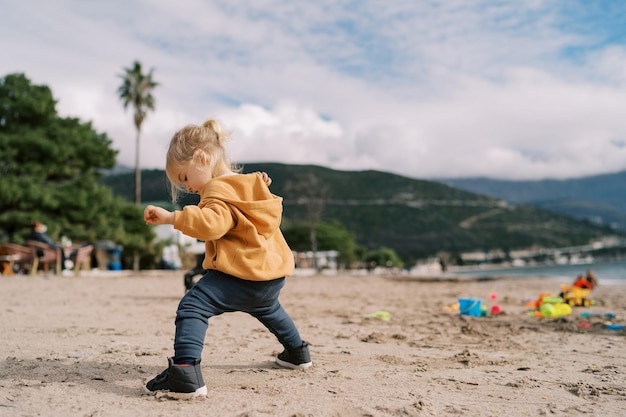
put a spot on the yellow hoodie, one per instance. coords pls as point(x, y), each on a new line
point(239, 220)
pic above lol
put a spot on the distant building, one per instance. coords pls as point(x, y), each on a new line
point(483, 256)
point(325, 259)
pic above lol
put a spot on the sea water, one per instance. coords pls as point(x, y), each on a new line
point(603, 270)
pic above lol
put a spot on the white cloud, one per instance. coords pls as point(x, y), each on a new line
point(299, 134)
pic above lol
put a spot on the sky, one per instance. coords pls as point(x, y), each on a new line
point(517, 89)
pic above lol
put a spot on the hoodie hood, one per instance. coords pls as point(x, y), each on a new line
point(250, 197)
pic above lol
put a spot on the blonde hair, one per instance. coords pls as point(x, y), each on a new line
point(191, 144)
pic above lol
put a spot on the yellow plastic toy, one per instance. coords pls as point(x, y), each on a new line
point(554, 310)
point(381, 315)
point(575, 296)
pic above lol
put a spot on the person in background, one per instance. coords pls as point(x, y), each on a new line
point(246, 255)
point(38, 234)
point(589, 280)
point(198, 270)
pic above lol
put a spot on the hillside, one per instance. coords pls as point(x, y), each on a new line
point(414, 217)
point(600, 199)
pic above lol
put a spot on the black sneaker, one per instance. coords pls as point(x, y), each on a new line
point(178, 381)
point(299, 358)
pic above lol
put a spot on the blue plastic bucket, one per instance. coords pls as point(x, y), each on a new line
point(469, 306)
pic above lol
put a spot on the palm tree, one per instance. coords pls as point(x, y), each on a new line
point(136, 90)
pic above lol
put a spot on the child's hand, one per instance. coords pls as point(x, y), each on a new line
point(157, 215)
point(266, 178)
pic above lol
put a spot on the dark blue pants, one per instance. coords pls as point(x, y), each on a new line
point(217, 293)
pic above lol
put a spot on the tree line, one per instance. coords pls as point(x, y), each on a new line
point(52, 169)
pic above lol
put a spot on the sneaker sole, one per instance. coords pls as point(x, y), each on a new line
point(290, 365)
point(200, 392)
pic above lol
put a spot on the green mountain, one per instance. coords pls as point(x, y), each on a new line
point(600, 199)
point(416, 218)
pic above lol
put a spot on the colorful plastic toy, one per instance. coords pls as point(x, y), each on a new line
point(575, 296)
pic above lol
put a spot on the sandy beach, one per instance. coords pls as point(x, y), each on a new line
point(83, 346)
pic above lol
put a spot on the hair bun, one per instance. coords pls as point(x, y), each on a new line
point(208, 123)
point(220, 136)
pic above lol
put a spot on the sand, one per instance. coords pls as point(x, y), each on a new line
point(83, 346)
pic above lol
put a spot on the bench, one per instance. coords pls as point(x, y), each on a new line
point(12, 254)
point(82, 258)
point(45, 255)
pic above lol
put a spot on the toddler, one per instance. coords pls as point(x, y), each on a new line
point(246, 255)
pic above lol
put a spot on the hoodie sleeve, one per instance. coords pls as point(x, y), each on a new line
point(210, 222)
